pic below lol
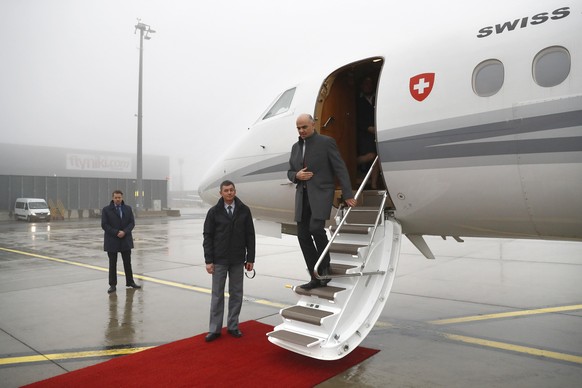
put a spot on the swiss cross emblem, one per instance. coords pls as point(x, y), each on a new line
point(421, 85)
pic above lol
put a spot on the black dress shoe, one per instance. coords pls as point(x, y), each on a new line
point(235, 333)
point(312, 284)
point(111, 289)
point(133, 285)
point(211, 336)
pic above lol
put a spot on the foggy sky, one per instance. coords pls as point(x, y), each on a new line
point(69, 69)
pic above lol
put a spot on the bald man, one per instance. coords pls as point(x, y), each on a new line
point(314, 164)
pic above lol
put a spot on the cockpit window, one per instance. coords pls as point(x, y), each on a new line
point(281, 105)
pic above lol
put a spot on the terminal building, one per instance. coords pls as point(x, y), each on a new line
point(79, 183)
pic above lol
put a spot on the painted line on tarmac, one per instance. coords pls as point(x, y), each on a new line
point(516, 348)
point(507, 346)
point(71, 355)
point(55, 259)
point(510, 314)
point(141, 277)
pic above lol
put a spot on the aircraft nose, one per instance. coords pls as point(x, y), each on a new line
point(209, 185)
point(204, 190)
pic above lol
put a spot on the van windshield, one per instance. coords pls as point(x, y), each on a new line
point(37, 205)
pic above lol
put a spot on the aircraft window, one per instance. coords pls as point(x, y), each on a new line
point(488, 77)
point(281, 105)
point(551, 66)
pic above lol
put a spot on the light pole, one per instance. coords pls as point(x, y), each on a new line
point(144, 31)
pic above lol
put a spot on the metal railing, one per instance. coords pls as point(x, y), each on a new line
point(341, 224)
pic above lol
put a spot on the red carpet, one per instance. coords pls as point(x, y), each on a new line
point(239, 362)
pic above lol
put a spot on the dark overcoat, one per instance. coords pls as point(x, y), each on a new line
point(366, 139)
point(229, 240)
point(323, 159)
point(112, 223)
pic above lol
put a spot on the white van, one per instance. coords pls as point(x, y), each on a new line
point(31, 209)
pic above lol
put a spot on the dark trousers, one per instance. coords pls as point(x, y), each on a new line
point(126, 256)
point(235, 290)
point(312, 238)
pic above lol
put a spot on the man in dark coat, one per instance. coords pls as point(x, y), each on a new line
point(313, 165)
point(366, 112)
point(229, 248)
point(117, 221)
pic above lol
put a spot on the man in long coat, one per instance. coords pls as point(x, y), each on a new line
point(117, 222)
point(313, 165)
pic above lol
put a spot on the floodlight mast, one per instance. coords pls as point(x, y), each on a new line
point(144, 31)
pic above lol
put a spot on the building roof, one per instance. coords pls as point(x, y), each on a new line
point(17, 159)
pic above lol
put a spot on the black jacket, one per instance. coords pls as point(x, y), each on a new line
point(229, 240)
point(112, 223)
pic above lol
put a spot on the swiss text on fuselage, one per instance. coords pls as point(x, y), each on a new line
point(523, 22)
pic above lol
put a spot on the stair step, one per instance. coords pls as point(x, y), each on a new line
point(341, 269)
point(351, 249)
point(328, 292)
point(351, 229)
point(305, 314)
point(295, 338)
point(372, 197)
point(362, 215)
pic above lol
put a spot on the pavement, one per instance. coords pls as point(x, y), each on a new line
point(485, 313)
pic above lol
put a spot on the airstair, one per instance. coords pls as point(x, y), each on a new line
point(327, 323)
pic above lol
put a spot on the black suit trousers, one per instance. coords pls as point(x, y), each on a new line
point(126, 257)
point(312, 238)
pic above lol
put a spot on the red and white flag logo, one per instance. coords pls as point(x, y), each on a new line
point(421, 85)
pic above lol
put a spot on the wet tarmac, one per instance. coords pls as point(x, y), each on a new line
point(486, 313)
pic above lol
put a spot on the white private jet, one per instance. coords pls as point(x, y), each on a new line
point(478, 134)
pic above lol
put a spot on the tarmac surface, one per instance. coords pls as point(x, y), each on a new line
point(486, 313)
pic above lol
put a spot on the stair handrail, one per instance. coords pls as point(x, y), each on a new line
point(376, 223)
point(368, 174)
point(341, 223)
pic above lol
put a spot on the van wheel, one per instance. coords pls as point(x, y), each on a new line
point(27, 218)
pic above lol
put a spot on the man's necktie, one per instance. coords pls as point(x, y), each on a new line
point(229, 211)
point(119, 212)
